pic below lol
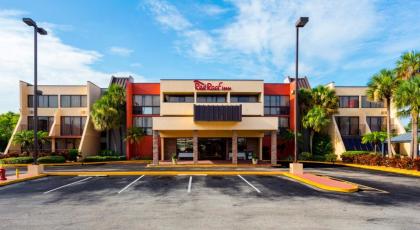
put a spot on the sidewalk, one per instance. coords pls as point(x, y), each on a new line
point(22, 177)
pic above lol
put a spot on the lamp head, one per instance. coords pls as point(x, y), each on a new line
point(29, 22)
point(301, 22)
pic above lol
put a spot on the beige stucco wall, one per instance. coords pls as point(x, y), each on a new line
point(93, 93)
point(187, 123)
point(362, 113)
point(187, 86)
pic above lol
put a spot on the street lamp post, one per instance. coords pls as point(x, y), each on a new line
point(41, 31)
point(301, 22)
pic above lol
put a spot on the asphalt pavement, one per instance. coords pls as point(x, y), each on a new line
point(386, 201)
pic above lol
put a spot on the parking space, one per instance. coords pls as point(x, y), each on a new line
point(197, 201)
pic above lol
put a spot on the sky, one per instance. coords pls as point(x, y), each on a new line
point(344, 41)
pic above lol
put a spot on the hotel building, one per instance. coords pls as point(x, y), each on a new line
point(63, 112)
point(211, 119)
point(357, 116)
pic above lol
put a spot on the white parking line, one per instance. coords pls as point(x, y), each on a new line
point(189, 184)
point(256, 189)
point(67, 185)
point(126, 187)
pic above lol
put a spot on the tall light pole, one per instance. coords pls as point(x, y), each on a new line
point(301, 22)
point(41, 31)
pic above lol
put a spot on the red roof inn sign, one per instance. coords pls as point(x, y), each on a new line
point(199, 85)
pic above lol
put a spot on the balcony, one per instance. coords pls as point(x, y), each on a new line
point(217, 112)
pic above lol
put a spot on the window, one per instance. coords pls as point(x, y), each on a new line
point(69, 101)
point(283, 123)
point(370, 104)
point(145, 123)
point(211, 98)
point(66, 144)
point(348, 126)
point(244, 98)
point(184, 145)
point(276, 105)
point(44, 123)
point(72, 126)
point(179, 98)
point(146, 104)
point(349, 101)
point(376, 123)
point(44, 101)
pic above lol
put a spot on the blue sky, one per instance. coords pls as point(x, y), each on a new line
point(344, 41)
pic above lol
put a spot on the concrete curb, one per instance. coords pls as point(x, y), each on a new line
point(212, 166)
point(21, 180)
point(163, 173)
point(354, 188)
point(376, 168)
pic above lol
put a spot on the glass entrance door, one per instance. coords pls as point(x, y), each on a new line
point(211, 148)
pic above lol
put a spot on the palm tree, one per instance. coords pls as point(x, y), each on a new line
point(108, 112)
point(25, 139)
point(381, 87)
point(325, 98)
point(134, 135)
point(407, 100)
point(408, 65)
point(374, 138)
point(315, 120)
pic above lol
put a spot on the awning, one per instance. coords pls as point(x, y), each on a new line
point(403, 138)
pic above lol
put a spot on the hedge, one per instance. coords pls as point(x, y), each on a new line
point(103, 158)
point(17, 160)
point(51, 159)
point(379, 160)
point(348, 157)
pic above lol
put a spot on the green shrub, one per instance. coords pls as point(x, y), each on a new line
point(305, 156)
point(72, 155)
point(322, 144)
point(108, 153)
point(17, 160)
point(103, 158)
point(51, 159)
point(331, 157)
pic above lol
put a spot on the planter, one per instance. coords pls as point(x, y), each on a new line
point(174, 161)
point(254, 161)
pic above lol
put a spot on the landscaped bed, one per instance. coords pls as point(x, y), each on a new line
point(371, 159)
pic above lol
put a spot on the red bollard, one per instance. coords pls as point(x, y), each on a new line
point(3, 174)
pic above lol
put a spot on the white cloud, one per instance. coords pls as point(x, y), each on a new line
point(168, 15)
point(121, 51)
point(58, 63)
point(212, 10)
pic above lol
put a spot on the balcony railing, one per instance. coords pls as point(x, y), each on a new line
point(217, 112)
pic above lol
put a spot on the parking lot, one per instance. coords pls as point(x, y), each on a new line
point(387, 201)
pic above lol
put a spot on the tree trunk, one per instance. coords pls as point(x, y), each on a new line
point(311, 137)
point(107, 139)
point(415, 147)
point(374, 147)
point(388, 127)
point(121, 140)
point(114, 140)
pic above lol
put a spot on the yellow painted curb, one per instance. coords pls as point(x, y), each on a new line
point(21, 180)
point(355, 188)
point(165, 173)
point(100, 162)
point(377, 168)
point(211, 166)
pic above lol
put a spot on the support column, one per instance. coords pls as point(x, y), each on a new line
point(195, 146)
point(273, 147)
point(260, 148)
point(235, 147)
point(53, 145)
point(162, 150)
point(155, 147)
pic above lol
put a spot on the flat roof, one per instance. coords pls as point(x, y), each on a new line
point(209, 79)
